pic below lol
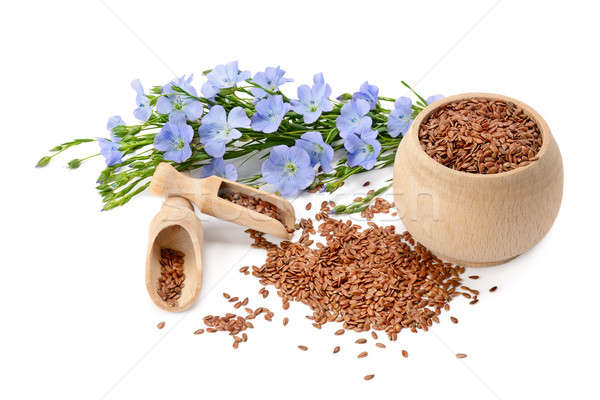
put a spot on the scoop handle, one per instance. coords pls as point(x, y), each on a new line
point(169, 182)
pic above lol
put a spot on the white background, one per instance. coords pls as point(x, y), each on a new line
point(76, 321)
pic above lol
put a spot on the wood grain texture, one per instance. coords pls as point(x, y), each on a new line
point(175, 227)
point(477, 219)
point(204, 193)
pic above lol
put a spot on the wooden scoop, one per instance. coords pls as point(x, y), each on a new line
point(175, 227)
point(204, 193)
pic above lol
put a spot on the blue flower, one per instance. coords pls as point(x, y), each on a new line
point(179, 106)
point(353, 117)
point(223, 76)
point(399, 119)
point(367, 92)
point(218, 129)
point(111, 124)
point(218, 167)
point(434, 98)
point(143, 111)
point(270, 79)
point(364, 149)
point(317, 149)
point(289, 169)
point(174, 139)
point(313, 101)
point(269, 113)
point(110, 151)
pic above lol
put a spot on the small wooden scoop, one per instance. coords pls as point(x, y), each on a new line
point(175, 227)
point(205, 194)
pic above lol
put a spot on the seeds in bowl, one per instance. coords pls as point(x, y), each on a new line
point(170, 281)
point(481, 136)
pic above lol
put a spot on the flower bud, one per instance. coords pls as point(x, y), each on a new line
point(345, 97)
point(43, 162)
point(132, 130)
point(74, 163)
point(120, 130)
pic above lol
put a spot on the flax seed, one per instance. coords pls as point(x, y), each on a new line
point(160, 325)
point(369, 377)
point(303, 348)
point(362, 354)
point(336, 349)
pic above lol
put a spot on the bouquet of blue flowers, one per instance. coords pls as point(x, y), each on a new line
point(237, 115)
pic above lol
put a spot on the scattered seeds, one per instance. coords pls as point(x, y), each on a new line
point(160, 325)
point(380, 345)
point(198, 331)
point(474, 276)
point(336, 349)
point(493, 288)
point(308, 206)
point(454, 320)
point(369, 377)
point(303, 348)
point(285, 321)
point(339, 332)
point(374, 335)
point(461, 355)
point(367, 183)
point(361, 341)
point(362, 354)
point(404, 353)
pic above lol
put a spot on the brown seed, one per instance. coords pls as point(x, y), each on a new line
point(339, 332)
point(404, 353)
point(454, 319)
point(481, 136)
point(380, 345)
point(461, 355)
point(302, 347)
point(493, 288)
point(285, 321)
point(198, 331)
point(367, 183)
point(362, 354)
point(308, 206)
point(226, 295)
point(369, 377)
point(374, 335)
point(160, 325)
point(336, 349)
point(361, 341)
point(474, 276)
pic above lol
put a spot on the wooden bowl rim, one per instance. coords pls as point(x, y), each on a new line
point(542, 125)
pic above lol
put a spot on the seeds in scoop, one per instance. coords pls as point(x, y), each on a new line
point(336, 349)
point(170, 281)
point(380, 345)
point(404, 353)
point(253, 203)
point(285, 321)
point(493, 288)
point(369, 377)
point(454, 320)
point(303, 348)
point(160, 325)
point(198, 331)
point(339, 332)
point(361, 341)
point(362, 354)
point(461, 355)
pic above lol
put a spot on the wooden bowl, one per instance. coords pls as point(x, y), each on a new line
point(477, 219)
